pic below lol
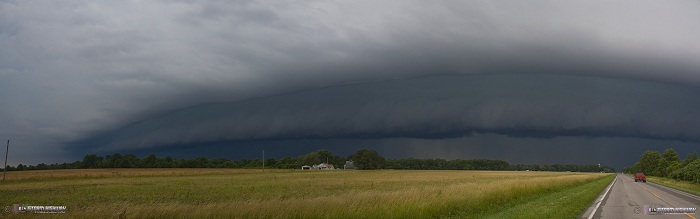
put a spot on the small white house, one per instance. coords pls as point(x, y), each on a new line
point(321, 166)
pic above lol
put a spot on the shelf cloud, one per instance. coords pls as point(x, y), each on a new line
point(106, 76)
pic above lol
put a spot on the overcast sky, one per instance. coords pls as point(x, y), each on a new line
point(584, 82)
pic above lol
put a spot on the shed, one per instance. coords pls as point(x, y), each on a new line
point(349, 165)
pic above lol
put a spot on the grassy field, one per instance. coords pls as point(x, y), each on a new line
point(688, 187)
point(227, 193)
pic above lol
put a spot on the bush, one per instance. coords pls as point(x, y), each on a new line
point(690, 172)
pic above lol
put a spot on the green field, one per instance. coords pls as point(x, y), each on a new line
point(231, 193)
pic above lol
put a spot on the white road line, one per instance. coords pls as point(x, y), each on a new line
point(603, 197)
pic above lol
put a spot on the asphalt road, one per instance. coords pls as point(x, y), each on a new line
point(629, 199)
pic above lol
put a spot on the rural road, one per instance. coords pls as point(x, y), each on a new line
point(629, 199)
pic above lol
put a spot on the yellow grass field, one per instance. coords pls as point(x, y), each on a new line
point(234, 193)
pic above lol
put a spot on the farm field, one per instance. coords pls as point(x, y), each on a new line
point(227, 193)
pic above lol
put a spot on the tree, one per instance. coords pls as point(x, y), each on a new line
point(670, 155)
point(149, 161)
point(325, 156)
point(690, 172)
point(483, 164)
point(663, 166)
point(668, 163)
point(230, 164)
point(458, 165)
point(368, 160)
point(649, 162)
point(287, 163)
point(256, 163)
point(672, 169)
point(311, 159)
point(128, 161)
point(114, 160)
point(167, 162)
point(690, 158)
point(218, 162)
point(636, 167)
point(92, 161)
point(201, 162)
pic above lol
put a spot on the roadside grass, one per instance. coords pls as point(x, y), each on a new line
point(567, 203)
point(226, 193)
point(688, 187)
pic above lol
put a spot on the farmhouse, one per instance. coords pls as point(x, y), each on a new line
point(321, 166)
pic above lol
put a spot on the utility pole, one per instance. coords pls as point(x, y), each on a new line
point(263, 159)
point(7, 149)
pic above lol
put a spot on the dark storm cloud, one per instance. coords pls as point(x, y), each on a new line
point(72, 69)
point(435, 107)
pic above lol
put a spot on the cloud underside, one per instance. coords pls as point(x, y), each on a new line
point(533, 105)
point(72, 68)
point(76, 75)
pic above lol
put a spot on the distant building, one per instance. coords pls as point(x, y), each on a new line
point(349, 165)
point(322, 166)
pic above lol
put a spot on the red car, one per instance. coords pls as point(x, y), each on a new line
point(640, 177)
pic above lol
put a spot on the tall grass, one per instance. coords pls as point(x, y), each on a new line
point(283, 194)
point(686, 186)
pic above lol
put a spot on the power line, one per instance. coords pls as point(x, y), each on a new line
point(7, 149)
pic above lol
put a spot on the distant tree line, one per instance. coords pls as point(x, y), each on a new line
point(442, 164)
point(363, 159)
point(564, 168)
point(668, 164)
